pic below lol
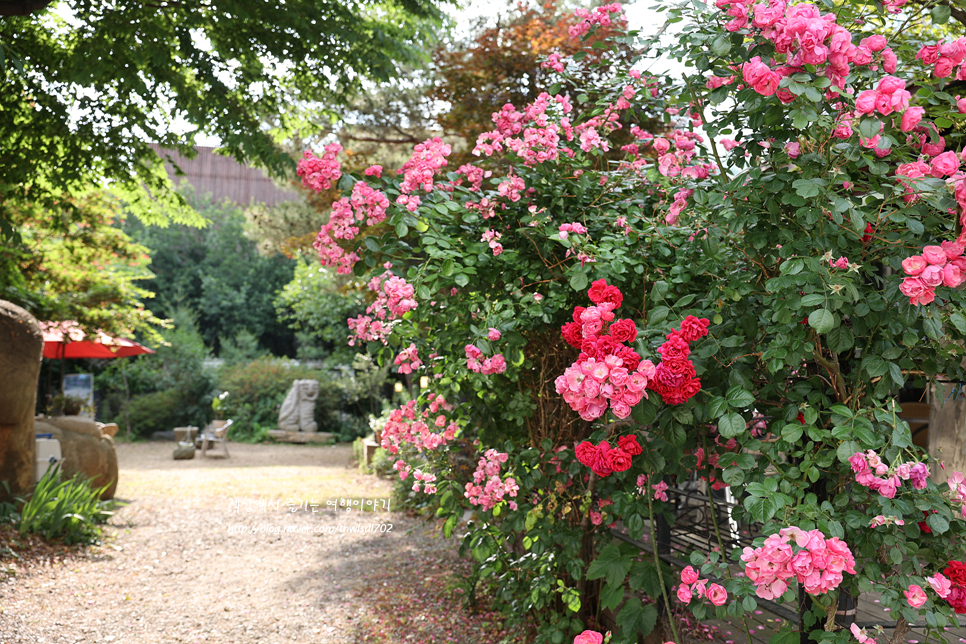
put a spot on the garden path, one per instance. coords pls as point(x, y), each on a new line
point(170, 571)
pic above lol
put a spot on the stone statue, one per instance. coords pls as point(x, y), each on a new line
point(21, 349)
point(297, 413)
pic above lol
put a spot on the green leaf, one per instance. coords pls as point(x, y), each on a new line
point(731, 425)
point(578, 281)
point(806, 188)
point(761, 508)
point(940, 14)
point(461, 280)
point(875, 366)
point(938, 524)
point(644, 412)
point(721, 45)
point(372, 244)
point(840, 339)
point(792, 266)
point(738, 398)
point(717, 407)
point(846, 450)
point(792, 432)
point(448, 266)
point(822, 320)
point(610, 563)
point(637, 618)
point(402, 229)
point(869, 127)
point(611, 596)
point(813, 299)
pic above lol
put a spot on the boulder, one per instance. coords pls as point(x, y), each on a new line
point(21, 350)
point(84, 452)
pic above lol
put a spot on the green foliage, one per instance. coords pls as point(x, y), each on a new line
point(318, 302)
point(346, 396)
point(220, 76)
point(793, 253)
point(217, 272)
point(171, 388)
point(70, 510)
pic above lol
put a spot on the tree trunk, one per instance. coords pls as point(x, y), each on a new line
point(947, 429)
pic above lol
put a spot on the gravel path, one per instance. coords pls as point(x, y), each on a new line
point(172, 568)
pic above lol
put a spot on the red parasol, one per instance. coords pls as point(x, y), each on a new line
point(66, 340)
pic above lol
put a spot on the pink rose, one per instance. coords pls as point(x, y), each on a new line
point(945, 164)
point(689, 576)
point(889, 61)
point(940, 584)
point(932, 276)
point(716, 594)
point(793, 149)
point(875, 42)
point(684, 594)
point(890, 84)
point(661, 145)
point(589, 637)
point(934, 255)
point(961, 105)
point(952, 276)
point(493, 335)
point(952, 249)
point(916, 596)
point(865, 103)
point(911, 118)
point(914, 266)
point(944, 67)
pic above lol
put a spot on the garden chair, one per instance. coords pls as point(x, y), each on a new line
point(215, 434)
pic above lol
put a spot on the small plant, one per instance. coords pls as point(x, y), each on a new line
point(63, 405)
point(70, 511)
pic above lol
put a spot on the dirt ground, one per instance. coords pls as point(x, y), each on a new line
point(202, 553)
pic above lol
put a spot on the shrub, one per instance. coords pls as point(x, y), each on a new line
point(258, 388)
point(70, 511)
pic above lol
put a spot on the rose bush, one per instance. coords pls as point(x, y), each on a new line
point(801, 206)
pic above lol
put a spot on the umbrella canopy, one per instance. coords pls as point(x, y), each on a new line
point(66, 340)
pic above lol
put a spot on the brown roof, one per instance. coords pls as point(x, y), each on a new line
point(224, 177)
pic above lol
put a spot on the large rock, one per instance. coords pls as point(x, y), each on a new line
point(21, 350)
point(85, 450)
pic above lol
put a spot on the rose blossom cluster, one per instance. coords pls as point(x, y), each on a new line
point(491, 237)
point(957, 490)
point(953, 588)
point(487, 488)
point(604, 460)
point(692, 586)
point(889, 96)
point(408, 359)
point(566, 229)
point(817, 565)
point(365, 203)
point(407, 425)
point(428, 158)
point(606, 371)
point(674, 378)
point(496, 364)
point(806, 37)
point(394, 298)
point(599, 16)
point(320, 173)
point(942, 265)
point(944, 57)
point(871, 472)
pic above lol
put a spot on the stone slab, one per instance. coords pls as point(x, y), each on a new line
point(300, 437)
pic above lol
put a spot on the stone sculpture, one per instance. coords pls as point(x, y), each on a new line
point(297, 413)
point(21, 349)
point(85, 448)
